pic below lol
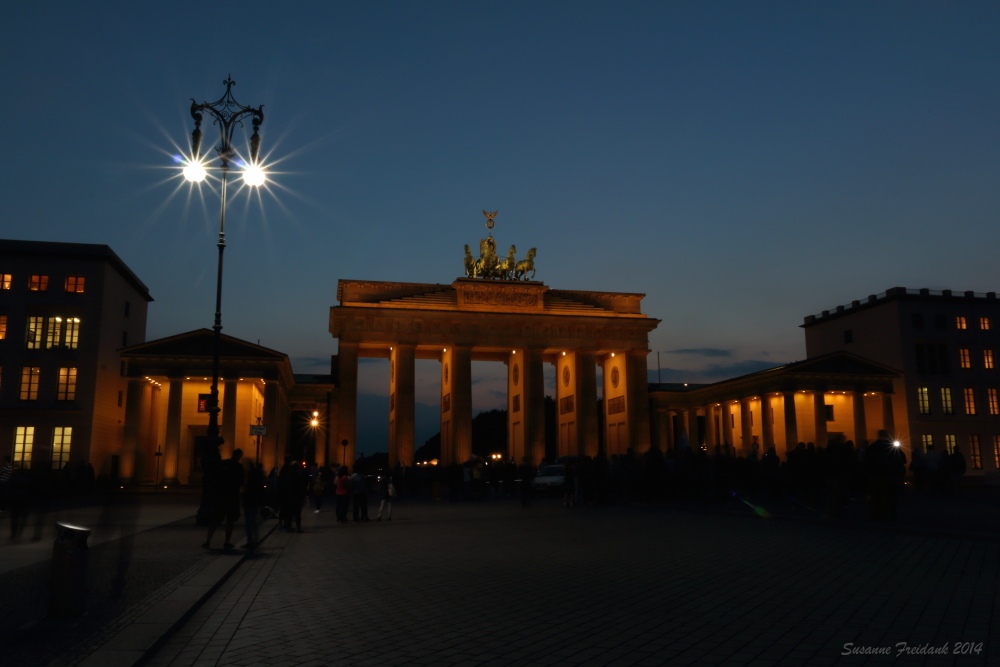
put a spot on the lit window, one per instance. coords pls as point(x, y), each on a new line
point(988, 358)
point(946, 406)
point(985, 324)
point(964, 358)
point(977, 458)
point(24, 442)
point(62, 438)
point(970, 401)
point(54, 334)
point(38, 283)
point(3, 327)
point(949, 444)
point(72, 336)
point(6, 280)
point(996, 452)
point(991, 395)
point(66, 390)
point(75, 284)
point(960, 322)
point(927, 441)
point(29, 383)
point(923, 400)
point(33, 332)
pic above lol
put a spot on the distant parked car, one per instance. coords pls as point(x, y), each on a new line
point(550, 480)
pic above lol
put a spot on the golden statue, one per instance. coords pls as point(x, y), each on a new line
point(489, 219)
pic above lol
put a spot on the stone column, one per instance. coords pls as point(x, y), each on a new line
point(172, 440)
point(766, 424)
point(692, 428)
point(660, 423)
point(711, 426)
point(746, 426)
point(887, 417)
point(347, 406)
point(860, 423)
point(228, 419)
point(791, 422)
point(819, 411)
point(402, 404)
point(271, 452)
point(637, 400)
point(726, 426)
point(534, 405)
point(456, 404)
point(587, 423)
point(567, 379)
point(133, 465)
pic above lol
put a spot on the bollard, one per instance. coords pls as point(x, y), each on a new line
point(69, 571)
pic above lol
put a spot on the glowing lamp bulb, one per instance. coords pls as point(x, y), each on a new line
point(194, 172)
point(895, 443)
point(253, 175)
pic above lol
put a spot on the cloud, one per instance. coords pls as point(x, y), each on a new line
point(701, 352)
point(710, 373)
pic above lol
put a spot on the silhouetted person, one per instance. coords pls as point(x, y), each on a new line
point(292, 482)
point(342, 484)
point(18, 500)
point(359, 495)
point(253, 501)
point(387, 491)
point(5, 474)
point(956, 468)
point(227, 500)
point(885, 464)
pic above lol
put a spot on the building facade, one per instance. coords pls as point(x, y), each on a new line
point(166, 419)
point(944, 345)
point(65, 311)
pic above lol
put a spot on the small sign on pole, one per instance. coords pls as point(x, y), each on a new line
point(258, 429)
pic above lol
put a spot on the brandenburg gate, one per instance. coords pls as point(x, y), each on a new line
point(498, 312)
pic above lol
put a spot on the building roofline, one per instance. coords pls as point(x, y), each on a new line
point(897, 294)
point(77, 250)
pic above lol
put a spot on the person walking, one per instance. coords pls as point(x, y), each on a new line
point(387, 491)
point(227, 501)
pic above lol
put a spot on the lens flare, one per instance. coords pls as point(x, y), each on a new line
point(253, 175)
point(194, 172)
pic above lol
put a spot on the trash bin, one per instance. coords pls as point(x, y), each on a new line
point(69, 571)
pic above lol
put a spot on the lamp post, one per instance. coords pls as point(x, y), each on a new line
point(227, 114)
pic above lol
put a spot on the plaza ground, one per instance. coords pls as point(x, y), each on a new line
point(493, 583)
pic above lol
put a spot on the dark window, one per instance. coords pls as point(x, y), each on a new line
point(921, 363)
point(829, 412)
point(940, 322)
point(918, 321)
point(849, 336)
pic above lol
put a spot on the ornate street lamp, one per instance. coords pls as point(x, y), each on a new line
point(227, 114)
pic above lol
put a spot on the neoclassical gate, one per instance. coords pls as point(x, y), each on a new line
point(491, 315)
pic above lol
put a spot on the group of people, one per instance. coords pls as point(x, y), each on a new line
point(235, 486)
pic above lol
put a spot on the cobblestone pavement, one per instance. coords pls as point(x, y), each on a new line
point(140, 543)
point(491, 583)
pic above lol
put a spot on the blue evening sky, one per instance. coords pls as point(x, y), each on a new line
point(744, 164)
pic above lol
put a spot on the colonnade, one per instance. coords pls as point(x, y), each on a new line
point(624, 391)
point(779, 419)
